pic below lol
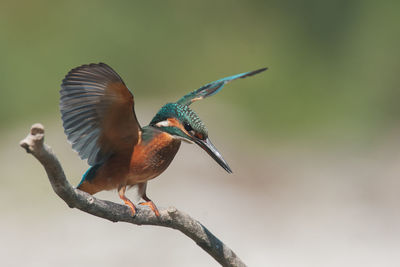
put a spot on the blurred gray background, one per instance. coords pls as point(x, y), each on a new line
point(313, 142)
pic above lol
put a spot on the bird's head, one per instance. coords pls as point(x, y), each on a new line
point(183, 123)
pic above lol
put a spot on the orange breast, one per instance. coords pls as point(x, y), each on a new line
point(151, 158)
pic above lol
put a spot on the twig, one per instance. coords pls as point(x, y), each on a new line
point(171, 217)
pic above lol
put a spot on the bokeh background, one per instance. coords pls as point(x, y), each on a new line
point(314, 142)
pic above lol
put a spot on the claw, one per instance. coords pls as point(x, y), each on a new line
point(132, 207)
point(152, 207)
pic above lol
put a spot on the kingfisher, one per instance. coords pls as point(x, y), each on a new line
point(99, 119)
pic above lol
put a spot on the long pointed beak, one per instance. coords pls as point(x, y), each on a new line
point(213, 152)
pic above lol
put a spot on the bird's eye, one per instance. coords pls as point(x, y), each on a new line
point(189, 128)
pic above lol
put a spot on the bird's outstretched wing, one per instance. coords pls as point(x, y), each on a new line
point(98, 112)
point(214, 87)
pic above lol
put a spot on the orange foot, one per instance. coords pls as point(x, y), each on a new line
point(121, 193)
point(152, 207)
point(132, 207)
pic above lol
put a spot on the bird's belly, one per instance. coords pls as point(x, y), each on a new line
point(152, 158)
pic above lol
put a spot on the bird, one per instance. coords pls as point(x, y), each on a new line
point(99, 120)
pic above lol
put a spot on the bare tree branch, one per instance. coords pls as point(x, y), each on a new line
point(171, 217)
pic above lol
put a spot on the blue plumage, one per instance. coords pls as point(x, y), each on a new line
point(214, 87)
point(89, 174)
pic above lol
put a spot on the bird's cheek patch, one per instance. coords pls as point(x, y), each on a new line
point(175, 123)
point(163, 124)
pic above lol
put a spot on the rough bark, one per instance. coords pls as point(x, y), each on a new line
point(170, 217)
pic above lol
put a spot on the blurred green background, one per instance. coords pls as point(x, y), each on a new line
point(333, 64)
point(313, 141)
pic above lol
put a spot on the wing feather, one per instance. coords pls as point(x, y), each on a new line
point(214, 87)
point(97, 110)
